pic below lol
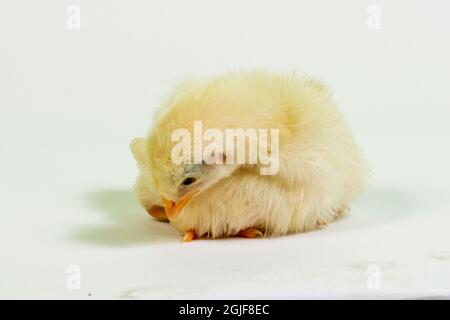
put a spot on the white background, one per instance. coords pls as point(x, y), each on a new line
point(71, 100)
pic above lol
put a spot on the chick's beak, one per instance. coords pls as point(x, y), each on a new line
point(172, 209)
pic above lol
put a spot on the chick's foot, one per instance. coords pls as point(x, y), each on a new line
point(250, 233)
point(189, 236)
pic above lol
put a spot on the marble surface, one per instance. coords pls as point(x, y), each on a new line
point(70, 103)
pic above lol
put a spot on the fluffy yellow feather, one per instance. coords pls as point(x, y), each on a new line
point(321, 169)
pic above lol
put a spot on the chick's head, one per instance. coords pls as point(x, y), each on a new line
point(177, 184)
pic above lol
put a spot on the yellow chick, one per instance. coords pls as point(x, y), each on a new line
point(318, 169)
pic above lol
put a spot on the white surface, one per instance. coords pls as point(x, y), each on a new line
point(71, 101)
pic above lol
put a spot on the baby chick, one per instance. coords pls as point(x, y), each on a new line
point(320, 168)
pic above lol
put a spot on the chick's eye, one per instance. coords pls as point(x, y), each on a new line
point(188, 181)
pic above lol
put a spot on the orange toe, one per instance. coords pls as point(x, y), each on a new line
point(189, 236)
point(250, 233)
